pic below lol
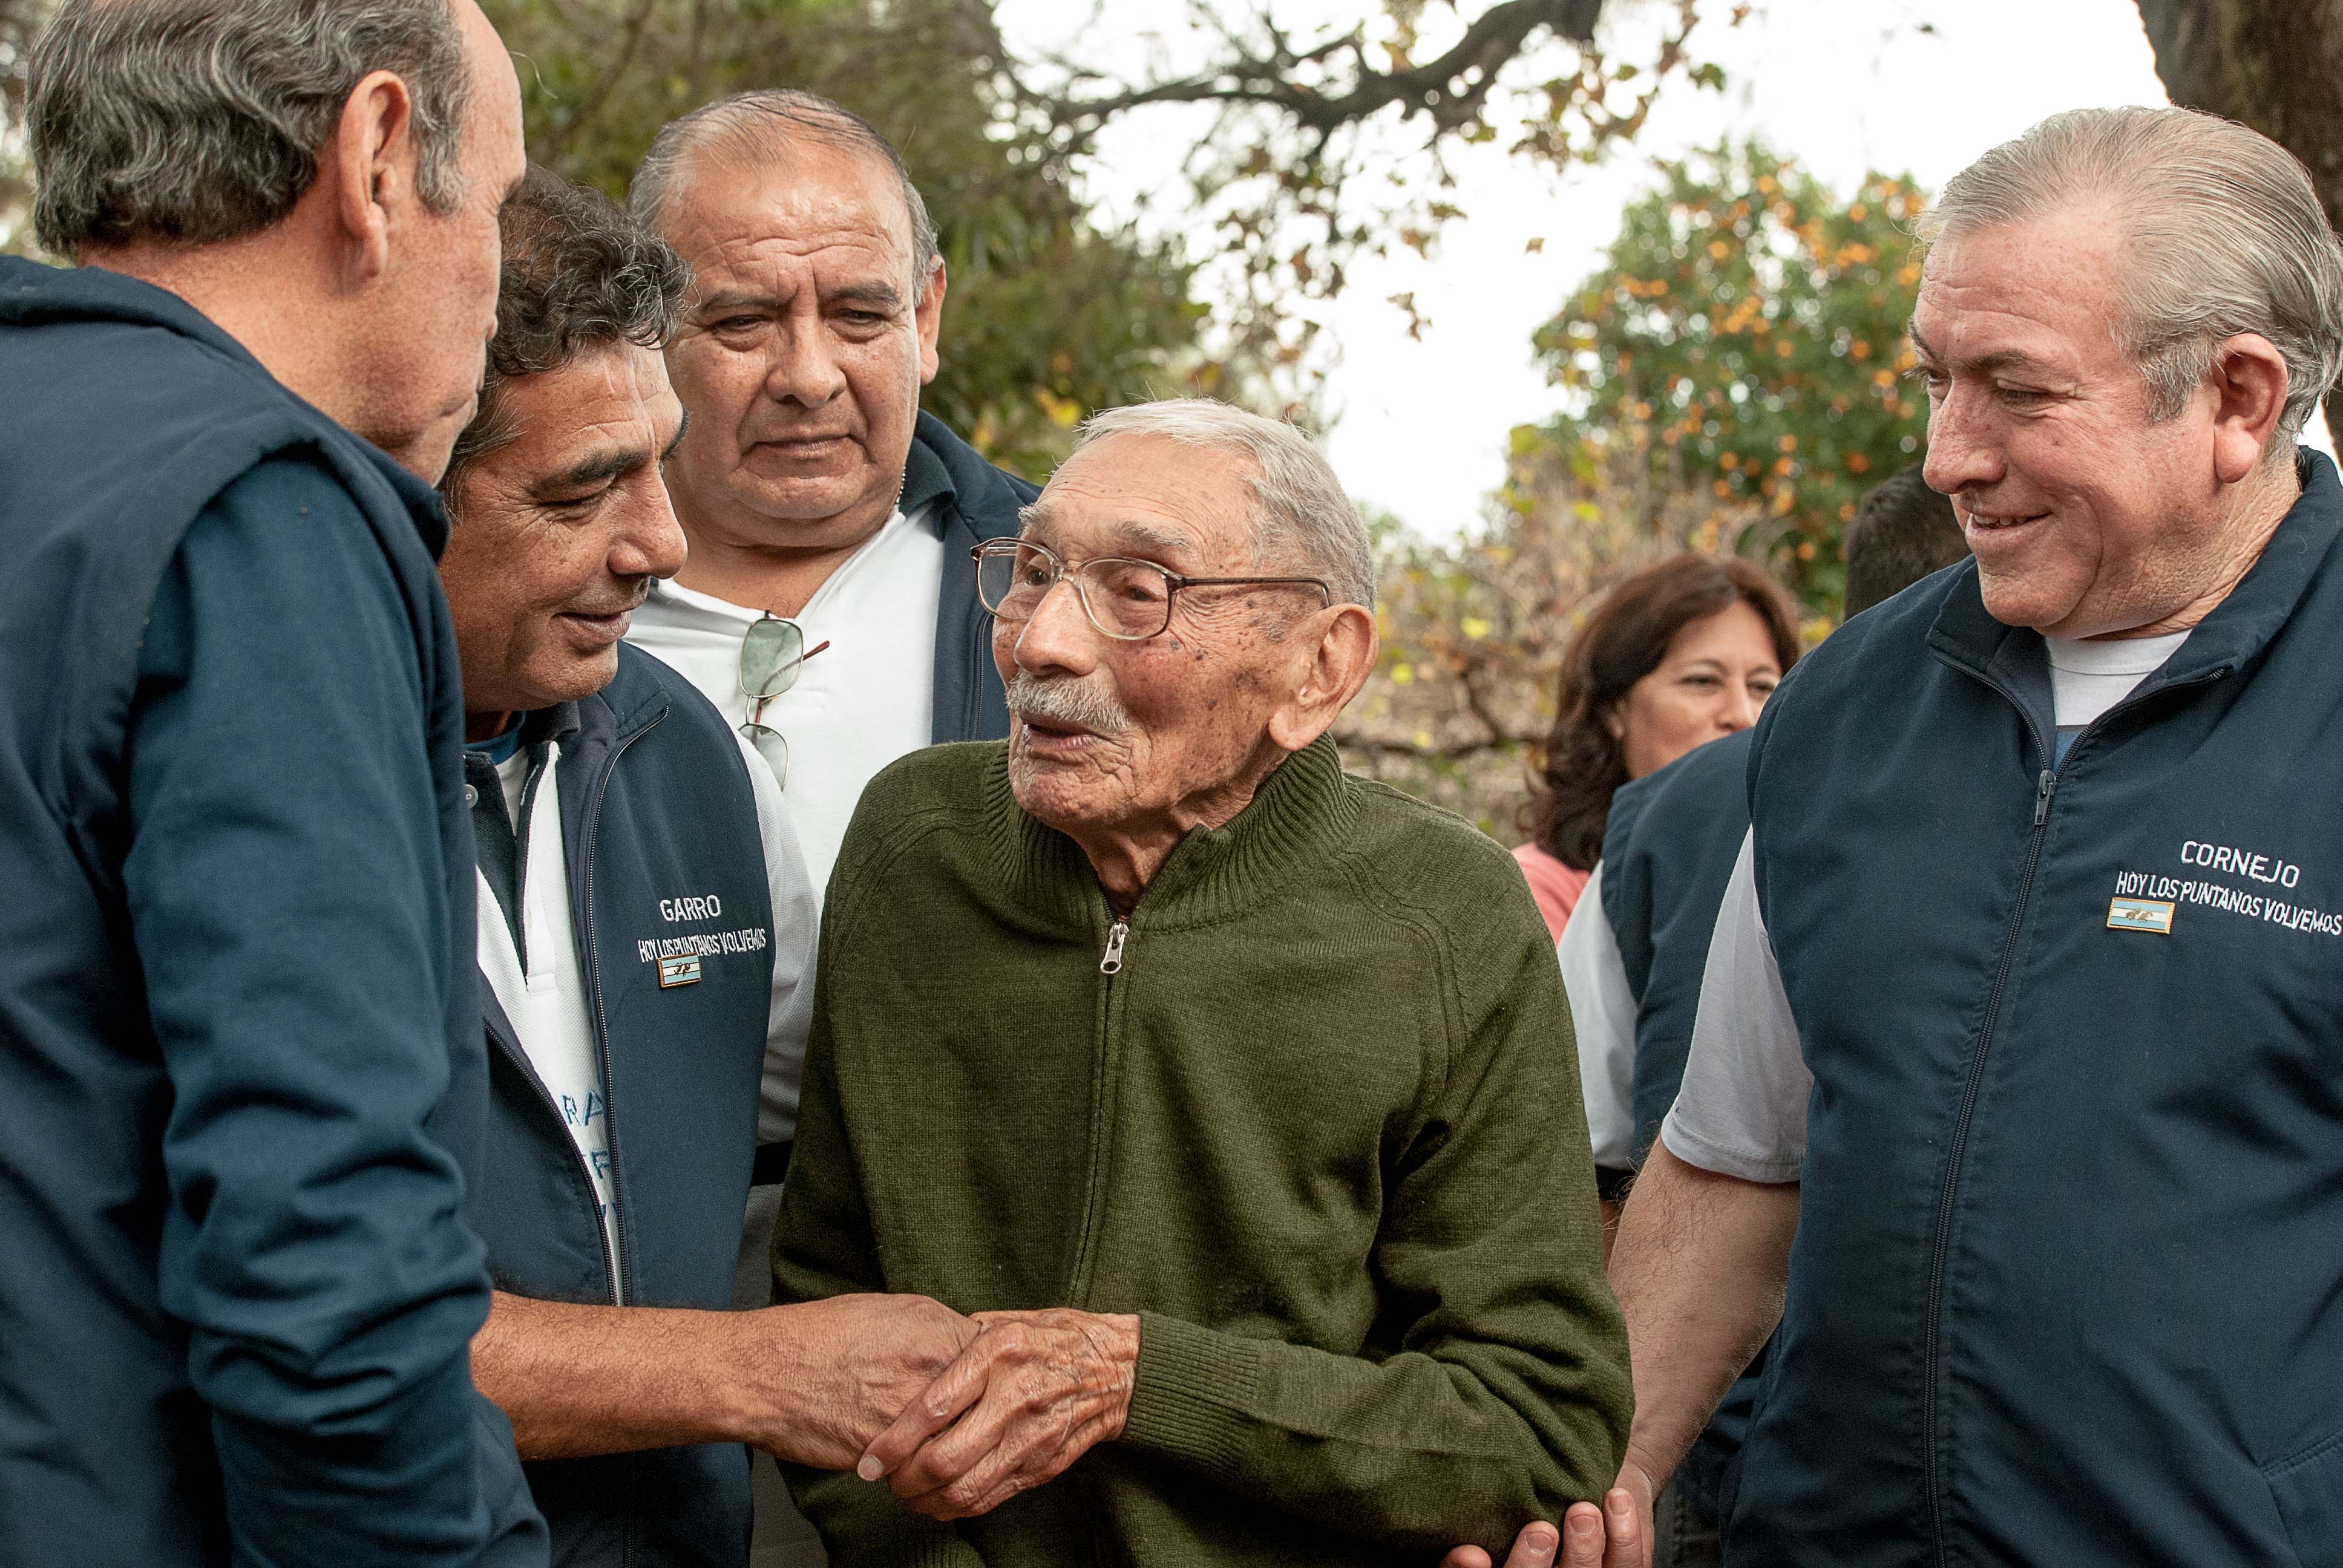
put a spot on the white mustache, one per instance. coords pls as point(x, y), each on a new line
point(1067, 702)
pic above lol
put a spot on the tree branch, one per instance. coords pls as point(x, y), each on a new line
point(1437, 88)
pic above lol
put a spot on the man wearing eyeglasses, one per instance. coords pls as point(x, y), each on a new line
point(1232, 1096)
point(645, 944)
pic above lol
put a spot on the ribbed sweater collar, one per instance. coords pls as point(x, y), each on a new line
point(1292, 822)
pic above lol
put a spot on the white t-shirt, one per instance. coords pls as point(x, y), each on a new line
point(545, 998)
point(866, 701)
point(1603, 1015)
point(2087, 676)
point(1742, 1110)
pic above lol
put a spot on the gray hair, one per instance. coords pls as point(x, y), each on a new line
point(196, 121)
point(759, 125)
point(2227, 237)
point(578, 276)
point(1303, 514)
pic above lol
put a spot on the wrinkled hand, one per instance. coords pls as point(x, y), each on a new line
point(1616, 1535)
point(823, 1378)
point(1033, 1393)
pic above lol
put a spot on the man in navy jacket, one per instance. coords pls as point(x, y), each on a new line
point(243, 1080)
point(2016, 1046)
point(646, 950)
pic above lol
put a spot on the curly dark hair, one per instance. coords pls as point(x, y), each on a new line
point(578, 275)
point(1622, 642)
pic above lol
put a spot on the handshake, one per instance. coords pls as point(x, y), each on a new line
point(960, 1415)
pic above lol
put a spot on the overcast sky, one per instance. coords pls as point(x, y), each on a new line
point(1840, 84)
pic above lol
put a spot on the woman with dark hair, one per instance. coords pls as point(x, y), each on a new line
point(1681, 653)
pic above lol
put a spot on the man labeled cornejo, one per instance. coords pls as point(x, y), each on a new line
point(2040, 1116)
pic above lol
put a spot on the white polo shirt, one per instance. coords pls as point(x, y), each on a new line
point(866, 701)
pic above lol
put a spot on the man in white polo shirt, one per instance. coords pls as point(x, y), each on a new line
point(814, 491)
point(809, 484)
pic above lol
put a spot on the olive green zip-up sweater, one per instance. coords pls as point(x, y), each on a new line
point(1320, 1129)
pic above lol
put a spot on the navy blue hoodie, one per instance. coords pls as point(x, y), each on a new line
point(2068, 1283)
point(241, 1075)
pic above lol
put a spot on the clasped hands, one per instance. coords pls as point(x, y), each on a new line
point(960, 1415)
point(986, 1406)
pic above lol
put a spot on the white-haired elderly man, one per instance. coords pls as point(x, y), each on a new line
point(1232, 1094)
point(2017, 1053)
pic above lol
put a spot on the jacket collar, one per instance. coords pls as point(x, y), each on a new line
point(33, 294)
point(1296, 818)
point(2236, 631)
point(941, 467)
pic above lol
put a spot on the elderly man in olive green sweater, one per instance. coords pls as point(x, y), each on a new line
point(1234, 1097)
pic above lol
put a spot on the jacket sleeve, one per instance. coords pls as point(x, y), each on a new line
point(286, 888)
point(1495, 1390)
point(823, 1247)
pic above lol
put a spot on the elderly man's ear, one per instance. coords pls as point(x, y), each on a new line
point(1328, 669)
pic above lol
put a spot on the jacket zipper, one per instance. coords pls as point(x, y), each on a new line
point(1110, 965)
point(2045, 788)
point(602, 1020)
point(519, 1058)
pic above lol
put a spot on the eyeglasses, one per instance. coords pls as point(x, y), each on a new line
point(1128, 601)
point(771, 653)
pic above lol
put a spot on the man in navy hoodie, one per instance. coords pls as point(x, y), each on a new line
point(241, 1081)
point(2014, 1061)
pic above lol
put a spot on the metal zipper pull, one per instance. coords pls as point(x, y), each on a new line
point(1112, 962)
point(2049, 786)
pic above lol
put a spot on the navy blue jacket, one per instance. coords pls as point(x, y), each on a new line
point(241, 1079)
point(1667, 853)
point(2067, 1285)
point(656, 807)
point(974, 501)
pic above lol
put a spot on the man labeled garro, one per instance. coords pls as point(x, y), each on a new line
point(645, 949)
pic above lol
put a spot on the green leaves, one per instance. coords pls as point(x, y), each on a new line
point(1050, 315)
point(1750, 321)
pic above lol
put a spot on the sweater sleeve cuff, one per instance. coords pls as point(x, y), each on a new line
point(1193, 1394)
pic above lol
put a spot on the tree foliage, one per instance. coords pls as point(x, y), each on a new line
point(1749, 330)
point(1473, 630)
point(1294, 169)
point(20, 23)
point(1735, 372)
point(2274, 65)
point(1047, 317)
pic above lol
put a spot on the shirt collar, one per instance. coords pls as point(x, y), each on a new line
point(545, 725)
